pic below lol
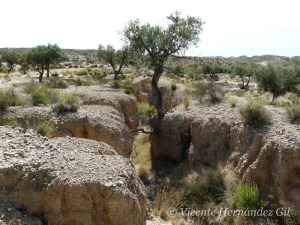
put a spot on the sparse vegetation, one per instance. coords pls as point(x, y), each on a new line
point(254, 113)
point(146, 112)
point(42, 95)
point(45, 129)
point(293, 111)
point(233, 102)
point(10, 98)
point(54, 82)
point(248, 197)
point(186, 103)
point(68, 103)
point(129, 90)
point(173, 86)
point(215, 92)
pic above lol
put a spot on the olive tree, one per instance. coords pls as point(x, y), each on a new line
point(54, 55)
point(113, 57)
point(244, 72)
point(10, 58)
point(158, 43)
point(42, 57)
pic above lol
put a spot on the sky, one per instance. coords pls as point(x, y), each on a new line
point(232, 27)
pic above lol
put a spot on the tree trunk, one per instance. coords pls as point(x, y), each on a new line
point(116, 75)
point(41, 72)
point(243, 83)
point(249, 78)
point(157, 93)
point(48, 71)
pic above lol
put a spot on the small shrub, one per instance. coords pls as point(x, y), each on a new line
point(255, 113)
point(129, 90)
point(10, 98)
point(43, 95)
point(233, 102)
point(29, 88)
point(45, 129)
point(173, 86)
point(69, 103)
point(212, 90)
point(82, 82)
point(186, 103)
point(293, 112)
point(116, 85)
point(54, 82)
point(146, 112)
point(247, 197)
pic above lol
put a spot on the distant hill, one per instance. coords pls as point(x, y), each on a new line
point(90, 55)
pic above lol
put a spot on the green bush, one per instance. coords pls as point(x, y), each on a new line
point(254, 113)
point(146, 112)
point(83, 82)
point(68, 103)
point(129, 90)
point(233, 102)
point(55, 82)
point(186, 103)
point(43, 95)
point(293, 111)
point(10, 98)
point(45, 129)
point(247, 197)
point(173, 86)
point(212, 90)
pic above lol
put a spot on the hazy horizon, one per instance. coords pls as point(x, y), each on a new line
point(232, 28)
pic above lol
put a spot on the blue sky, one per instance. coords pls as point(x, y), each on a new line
point(232, 27)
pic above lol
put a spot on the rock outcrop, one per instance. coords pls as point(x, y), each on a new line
point(268, 156)
point(69, 180)
point(96, 122)
point(124, 103)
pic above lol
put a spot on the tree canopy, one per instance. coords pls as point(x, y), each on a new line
point(42, 56)
point(157, 43)
point(11, 58)
point(113, 57)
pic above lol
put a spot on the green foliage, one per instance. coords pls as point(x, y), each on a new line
point(156, 44)
point(243, 71)
point(45, 129)
point(146, 112)
point(215, 92)
point(178, 70)
point(212, 70)
point(173, 86)
point(43, 95)
point(293, 111)
point(11, 58)
point(255, 113)
point(186, 103)
point(10, 98)
point(68, 103)
point(42, 57)
point(55, 82)
point(278, 81)
point(83, 82)
point(113, 57)
point(248, 197)
point(233, 102)
point(129, 90)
